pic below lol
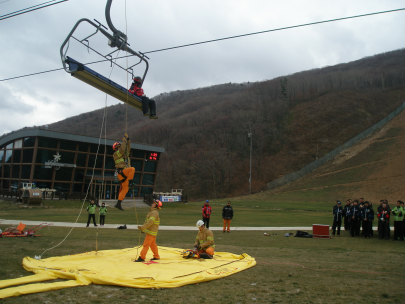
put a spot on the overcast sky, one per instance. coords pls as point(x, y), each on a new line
point(30, 43)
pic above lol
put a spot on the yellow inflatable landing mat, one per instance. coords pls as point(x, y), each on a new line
point(117, 267)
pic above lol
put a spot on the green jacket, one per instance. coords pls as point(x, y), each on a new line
point(91, 209)
point(399, 213)
point(103, 210)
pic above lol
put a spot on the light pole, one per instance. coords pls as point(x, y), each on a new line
point(250, 169)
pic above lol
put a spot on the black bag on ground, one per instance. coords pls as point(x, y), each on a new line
point(303, 234)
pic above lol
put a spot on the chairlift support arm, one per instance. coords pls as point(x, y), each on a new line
point(118, 40)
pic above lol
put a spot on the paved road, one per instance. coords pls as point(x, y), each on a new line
point(114, 226)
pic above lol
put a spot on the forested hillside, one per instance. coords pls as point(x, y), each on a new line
point(293, 120)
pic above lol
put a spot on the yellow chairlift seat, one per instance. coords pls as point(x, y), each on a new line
point(87, 75)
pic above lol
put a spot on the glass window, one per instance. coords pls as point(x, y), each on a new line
point(17, 156)
point(9, 153)
point(29, 142)
point(79, 175)
point(6, 173)
point(27, 156)
point(81, 160)
point(41, 172)
point(67, 157)
point(25, 171)
point(46, 142)
point(137, 164)
point(64, 187)
point(83, 147)
point(1, 155)
point(137, 178)
point(67, 145)
point(150, 166)
point(146, 190)
point(110, 151)
point(92, 159)
point(6, 183)
point(18, 144)
point(109, 173)
point(148, 179)
point(43, 185)
point(77, 187)
point(64, 174)
point(9, 146)
point(138, 153)
point(44, 155)
point(1, 170)
point(109, 163)
point(96, 172)
point(14, 185)
point(16, 171)
point(94, 147)
point(136, 191)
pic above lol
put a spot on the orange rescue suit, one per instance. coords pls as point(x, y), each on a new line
point(119, 158)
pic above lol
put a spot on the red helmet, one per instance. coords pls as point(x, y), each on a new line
point(158, 204)
point(116, 145)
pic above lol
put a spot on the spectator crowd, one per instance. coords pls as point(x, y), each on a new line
point(359, 215)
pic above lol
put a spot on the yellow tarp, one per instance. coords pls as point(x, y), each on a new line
point(116, 267)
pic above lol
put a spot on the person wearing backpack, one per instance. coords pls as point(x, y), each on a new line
point(206, 213)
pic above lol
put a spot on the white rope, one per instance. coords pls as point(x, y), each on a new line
point(92, 176)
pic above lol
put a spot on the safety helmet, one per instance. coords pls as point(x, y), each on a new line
point(200, 223)
point(137, 79)
point(207, 201)
point(158, 204)
point(116, 145)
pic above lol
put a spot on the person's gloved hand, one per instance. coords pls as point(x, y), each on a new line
point(140, 228)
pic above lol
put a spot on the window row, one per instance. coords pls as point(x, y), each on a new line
point(52, 143)
point(82, 160)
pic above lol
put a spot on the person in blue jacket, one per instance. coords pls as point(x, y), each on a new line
point(356, 219)
point(337, 218)
point(367, 217)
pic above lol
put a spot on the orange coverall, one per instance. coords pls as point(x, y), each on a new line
point(119, 159)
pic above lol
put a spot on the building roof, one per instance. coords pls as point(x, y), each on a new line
point(73, 137)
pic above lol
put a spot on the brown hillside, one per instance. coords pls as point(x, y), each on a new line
point(293, 120)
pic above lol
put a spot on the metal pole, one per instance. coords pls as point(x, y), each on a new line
point(250, 169)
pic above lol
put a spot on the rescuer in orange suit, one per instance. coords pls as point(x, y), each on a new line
point(125, 172)
point(151, 228)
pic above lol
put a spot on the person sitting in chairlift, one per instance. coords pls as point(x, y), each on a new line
point(148, 105)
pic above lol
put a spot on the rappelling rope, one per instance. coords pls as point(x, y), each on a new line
point(126, 130)
point(91, 181)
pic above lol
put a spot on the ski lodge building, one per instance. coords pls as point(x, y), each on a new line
point(65, 162)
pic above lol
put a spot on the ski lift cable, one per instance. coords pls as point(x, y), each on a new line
point(28, 10)
point(208, 41)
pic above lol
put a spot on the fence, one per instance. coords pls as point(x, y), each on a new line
point(312, 166)
point(5, 193)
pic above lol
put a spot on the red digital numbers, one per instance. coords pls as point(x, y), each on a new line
point(153, 156)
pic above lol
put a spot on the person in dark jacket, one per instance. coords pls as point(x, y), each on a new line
point(227, 215)
point(367, 215)
point(384, 222)
point(91, 209)
point(356, 219)
point(346, 218)
point(206, 213)
point(403, 221)
point(337, 218)
point(148, 105)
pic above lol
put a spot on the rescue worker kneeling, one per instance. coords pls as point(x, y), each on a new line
point(151, 228)
point(125, 172)
point(204, 242)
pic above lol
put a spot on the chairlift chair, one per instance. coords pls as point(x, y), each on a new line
point(117, 40)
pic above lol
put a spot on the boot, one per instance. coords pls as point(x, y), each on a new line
point(140, 259)
point(118, 205)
